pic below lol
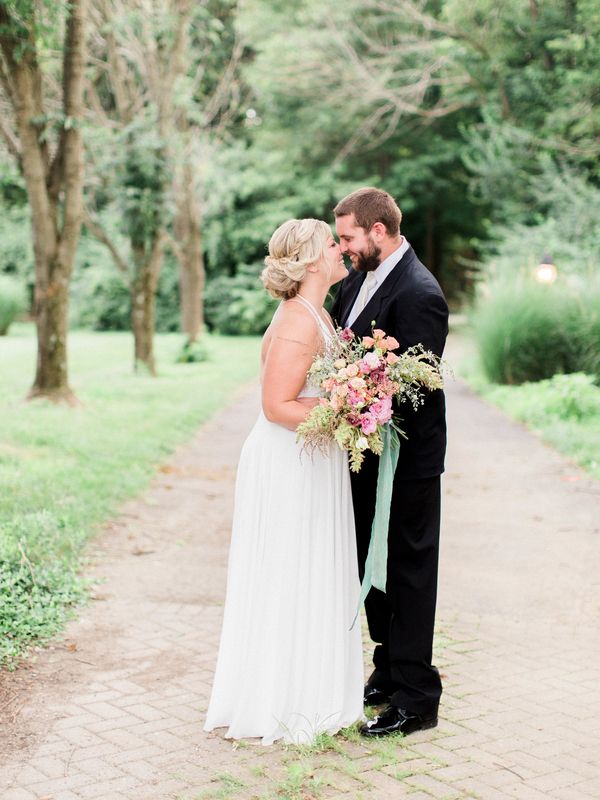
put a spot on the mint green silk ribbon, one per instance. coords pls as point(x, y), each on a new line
point(376, 563)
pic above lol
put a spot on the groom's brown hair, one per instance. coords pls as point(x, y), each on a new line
point(370, 205)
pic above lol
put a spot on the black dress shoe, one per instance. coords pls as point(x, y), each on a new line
point(374, 696)
point(398, 720)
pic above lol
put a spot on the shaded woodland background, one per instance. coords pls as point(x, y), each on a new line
point(179, 134)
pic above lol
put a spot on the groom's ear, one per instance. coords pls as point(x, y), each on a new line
point(378, 230)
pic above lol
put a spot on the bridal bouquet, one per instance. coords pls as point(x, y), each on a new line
point(361, 377)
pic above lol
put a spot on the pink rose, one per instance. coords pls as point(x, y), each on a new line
point(355, 399)
point(382, 410)
point(378, 333)
point(368, 341)
point(391, 343)
point(347, 334)
point(391, 358)
point(352, 370)
point(368, 423)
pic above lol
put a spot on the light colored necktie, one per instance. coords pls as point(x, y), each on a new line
point(365, 291)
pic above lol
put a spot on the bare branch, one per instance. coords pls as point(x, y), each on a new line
point(96, 229)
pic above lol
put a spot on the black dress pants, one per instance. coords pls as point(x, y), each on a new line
point(401, 621)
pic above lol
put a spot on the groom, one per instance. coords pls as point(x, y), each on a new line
point(388, 285)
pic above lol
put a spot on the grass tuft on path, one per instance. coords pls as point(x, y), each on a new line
point(65, 470)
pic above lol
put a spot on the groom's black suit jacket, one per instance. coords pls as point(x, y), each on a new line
point(410, 306)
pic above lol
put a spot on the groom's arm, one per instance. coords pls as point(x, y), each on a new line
point(427, 323)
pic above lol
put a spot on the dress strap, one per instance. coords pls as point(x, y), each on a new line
point(318, 318)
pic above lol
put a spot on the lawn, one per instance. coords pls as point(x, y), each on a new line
point(65, 470)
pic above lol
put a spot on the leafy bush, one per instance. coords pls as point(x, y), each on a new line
point(38, 583)
point(527, 332)
point(16, 250)
point(569, 398)
point(12, 301)
point(574, 396)
point(239, 305)
point(193, 353)
point(100, 299)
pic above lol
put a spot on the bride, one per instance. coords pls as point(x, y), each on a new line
point(289, 666)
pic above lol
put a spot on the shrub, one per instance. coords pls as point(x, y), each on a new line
point(100, 299)
point(192, 353)
point(12, 302)
point(38, 583)
point(239, 305)
point(525, 332)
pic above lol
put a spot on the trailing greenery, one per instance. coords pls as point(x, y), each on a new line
point(12, 302)
point(63, 470)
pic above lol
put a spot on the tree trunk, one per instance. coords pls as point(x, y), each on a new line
point(51, 305)
point(191, 262)
point(54, 186)
point(143, 304)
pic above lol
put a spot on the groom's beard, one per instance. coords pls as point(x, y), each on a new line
point(369, 260)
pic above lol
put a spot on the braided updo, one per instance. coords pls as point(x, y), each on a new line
point(292, 248)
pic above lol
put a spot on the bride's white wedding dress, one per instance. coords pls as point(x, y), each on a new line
point(289, 667)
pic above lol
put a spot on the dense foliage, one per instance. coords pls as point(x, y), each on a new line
point(528, 332)
point(481, 118)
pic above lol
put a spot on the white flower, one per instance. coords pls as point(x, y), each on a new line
point(362, 443)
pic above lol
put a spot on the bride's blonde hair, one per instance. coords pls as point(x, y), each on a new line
point(292, 248)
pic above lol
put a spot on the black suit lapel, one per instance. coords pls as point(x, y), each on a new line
point(362, 324)
point(353, 283)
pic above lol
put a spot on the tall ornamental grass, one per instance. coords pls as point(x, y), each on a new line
point(12, 302)
point(530, 332)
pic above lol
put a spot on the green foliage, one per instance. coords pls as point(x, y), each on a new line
point(564, 410)
point(38, 578)
point(573, 396)
point(16, 252)
point(63, 471)
point(193, 353)
point(143, 182)
point(100, 297)
point(238, 306)
point(528, 332)
point(12, 301)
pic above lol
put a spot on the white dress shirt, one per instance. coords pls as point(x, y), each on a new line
point(381, 273)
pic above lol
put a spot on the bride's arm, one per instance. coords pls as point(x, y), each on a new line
point(295, 340)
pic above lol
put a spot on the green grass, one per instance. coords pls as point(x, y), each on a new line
point(65, 470)
point(563, 410)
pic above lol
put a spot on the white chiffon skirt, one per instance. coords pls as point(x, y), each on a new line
point(289, 664)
